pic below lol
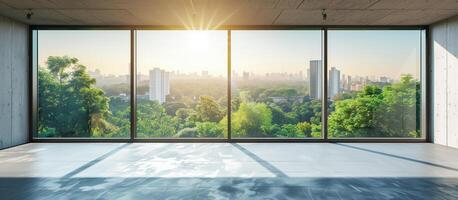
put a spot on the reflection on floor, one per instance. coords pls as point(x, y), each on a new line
point(228, 171)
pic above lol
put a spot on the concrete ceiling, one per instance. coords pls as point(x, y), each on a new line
point(211, 13)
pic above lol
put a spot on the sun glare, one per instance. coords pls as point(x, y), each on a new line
point(198, 40)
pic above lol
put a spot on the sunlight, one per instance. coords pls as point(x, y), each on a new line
point(198, 40)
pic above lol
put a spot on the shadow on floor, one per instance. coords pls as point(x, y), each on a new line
point(229, 188)
point(277, 172)
point(398, 157)
point(95, 161)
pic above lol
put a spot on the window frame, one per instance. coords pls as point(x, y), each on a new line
point(425, 82)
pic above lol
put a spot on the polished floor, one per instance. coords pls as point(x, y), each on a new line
point(228, 171)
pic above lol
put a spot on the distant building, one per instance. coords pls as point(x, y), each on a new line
point(357, 87)
point(349, 83)
point(343, 83)
point(246, 75)
point(384, 79)
point(334, 82)
point(159, 85)
point(315, 79)
point(307, 76)
point(204, 73)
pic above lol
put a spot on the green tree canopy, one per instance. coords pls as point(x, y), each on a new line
point(390, 111)
point(153, 120)
point(70, 105)
point(250, 120)
point(208, 110)
point(401, 106)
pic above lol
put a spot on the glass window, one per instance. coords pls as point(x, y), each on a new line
point(374, 83)
point(83, 83)
point(276, 84)
point(181, 84)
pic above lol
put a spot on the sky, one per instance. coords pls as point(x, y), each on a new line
point(363, 53)
point(183, 51)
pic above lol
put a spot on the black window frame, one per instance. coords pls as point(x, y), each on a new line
point(425, 81)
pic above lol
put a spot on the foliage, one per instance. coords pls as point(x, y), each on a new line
point(187, 133)
point(153, 121)
point(279, 117)
point(172, 107)
point(401, 103)
point(304, 128)
point(354, 117)
point(379, 112)
point(209, 129)
point(250, 120)
point(71, 106)
point(208, 110)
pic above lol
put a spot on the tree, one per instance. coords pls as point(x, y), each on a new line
point(303, 111)
point(58, 65)
point(279, 117)
point(208, 110)
point(390, 111)
point(401, 103)
point(70, 105)
point(289, 130)
point(120, 117)
point(235, 103)
point(49, 103)
point(153, 121)
point(209, 129)
point(357, 117)
point(186, 117)
point(316, 109)
point(245, 96)
point(250, 120)
point(172, 107)
point(304, 128)
point(316, 130)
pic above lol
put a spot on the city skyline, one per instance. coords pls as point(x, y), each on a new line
point(251, 74)
point(255, 51)
point(338, 81)
point(159, 80)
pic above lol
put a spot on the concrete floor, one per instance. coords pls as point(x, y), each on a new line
point(228, 171)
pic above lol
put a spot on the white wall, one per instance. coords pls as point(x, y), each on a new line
point(13, 83)
point(444, 63)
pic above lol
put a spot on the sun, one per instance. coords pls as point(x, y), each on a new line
point(198, 40)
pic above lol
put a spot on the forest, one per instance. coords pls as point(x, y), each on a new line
point(70, 105)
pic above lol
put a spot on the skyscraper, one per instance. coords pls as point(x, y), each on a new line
point(159, 86)
point(246, 75)
point(334, 82)
point(315, 79)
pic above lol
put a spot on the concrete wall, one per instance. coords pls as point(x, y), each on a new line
point(444, 63)
point(13, 83)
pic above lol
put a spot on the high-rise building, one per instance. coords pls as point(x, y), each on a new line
point(334, 82)
point(246, 75)
point(315, 79)
point(159, 85)
point(307, 76)
point(349, 83)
